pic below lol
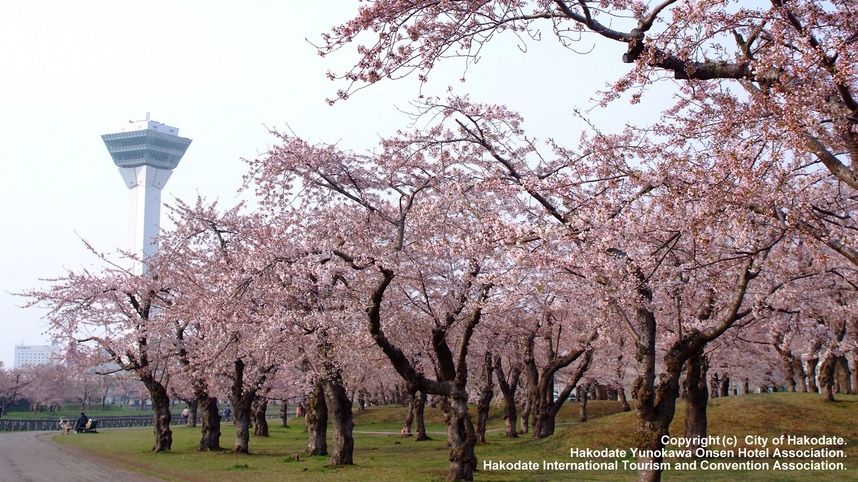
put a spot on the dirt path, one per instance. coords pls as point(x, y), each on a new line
point(34, 457)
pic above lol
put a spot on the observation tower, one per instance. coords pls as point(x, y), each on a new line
point(146, 152)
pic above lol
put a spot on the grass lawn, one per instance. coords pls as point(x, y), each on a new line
point(94, 410)
point(71, 411)
point(382, 457)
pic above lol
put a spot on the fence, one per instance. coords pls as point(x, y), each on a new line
point(21, 424)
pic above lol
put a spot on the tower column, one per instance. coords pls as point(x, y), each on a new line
point(144, 209)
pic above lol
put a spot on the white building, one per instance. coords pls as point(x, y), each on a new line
point(146, 152)
point(28, 355)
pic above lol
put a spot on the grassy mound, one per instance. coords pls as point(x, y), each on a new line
point(383, 457)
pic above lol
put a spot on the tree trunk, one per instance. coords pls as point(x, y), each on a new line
point(621, 393)
point(284, 414)
point(812, 364)
point(211, 423)
point(192, 413)
point(482, 417)
point(260, 426)
point(582, 402)
point(651, 426)
point(543, 422)
point(397, 398)
point(540, 383)
point(340, 408)
point(509, 417)
point(242, 396)
point(163, 417)
point(361, 400)
point(746, 386)
point(545, 408)
point(855, 380)
point(826, 378)
point(698, 395)
point(655, 404)
point(714, 383)
point(653, 412)
point(381, 395)
point(409, 419)
point(486, 395)
point(843, 374)
point(241, 417)
point(789, 371)
point(461, 437)
point(419, 408)
point(724, 386)
point(801, 377)
point(791, 364)
point(524, 422)
point(161, 406)
point(508, 388)
point(317, 422)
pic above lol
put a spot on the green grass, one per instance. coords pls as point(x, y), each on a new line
point(766, 415)
point(380, 458)
point(72, 411)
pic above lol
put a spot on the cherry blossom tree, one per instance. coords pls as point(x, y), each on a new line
point(230, 339)
point(198, 237)
point(641, 235)
point(126, 386)
point(12, 385)
point(407, 235)
point(85, 384)
point(42, 385)
point(793, 61)
point(114, 316)
point(508, 382)
point(817, 325)
point(303, 305)
point(546, 352)
point(541, 389)
point(636, 232)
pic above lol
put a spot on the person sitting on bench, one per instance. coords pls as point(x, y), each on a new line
point(80, 425)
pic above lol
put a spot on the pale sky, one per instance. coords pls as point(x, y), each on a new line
point(221, 72)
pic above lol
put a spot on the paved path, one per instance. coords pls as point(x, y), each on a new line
point(34, 457)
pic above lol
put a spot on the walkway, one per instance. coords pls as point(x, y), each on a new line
point(34, 457)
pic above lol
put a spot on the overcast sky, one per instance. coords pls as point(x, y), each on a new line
point(221, 72)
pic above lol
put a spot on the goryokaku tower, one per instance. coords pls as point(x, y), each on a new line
point(146, 152)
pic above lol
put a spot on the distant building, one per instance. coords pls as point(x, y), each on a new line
point(28, 355)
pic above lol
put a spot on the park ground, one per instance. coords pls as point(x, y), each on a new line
point(382, 455)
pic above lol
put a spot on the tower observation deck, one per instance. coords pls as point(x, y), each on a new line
point(146, 152)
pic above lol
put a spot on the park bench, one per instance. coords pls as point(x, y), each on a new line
point(91, 426)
